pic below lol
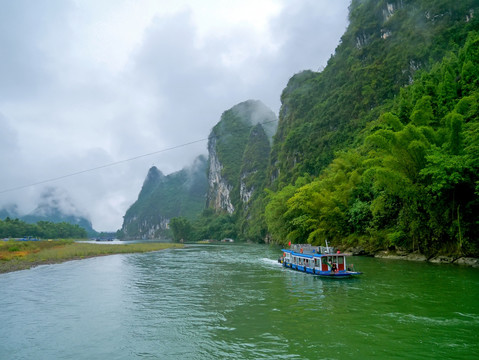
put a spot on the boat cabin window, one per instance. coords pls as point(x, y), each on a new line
point(341, 260)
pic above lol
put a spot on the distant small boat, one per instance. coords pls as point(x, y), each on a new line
point(103, 239)
point(318, 260)
point(28, 238)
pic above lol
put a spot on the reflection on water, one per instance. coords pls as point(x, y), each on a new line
point(234, 301)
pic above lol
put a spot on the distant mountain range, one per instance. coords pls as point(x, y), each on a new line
point(55, 206)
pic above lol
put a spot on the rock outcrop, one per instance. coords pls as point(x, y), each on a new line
point(238, 148)
point(219, 189)
point(163, 197)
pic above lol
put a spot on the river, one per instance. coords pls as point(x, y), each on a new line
point(234, 301)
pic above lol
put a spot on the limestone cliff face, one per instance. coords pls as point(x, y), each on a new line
point(246, 192)
point(146, 225)
point(241, 137)
point(254, 165)
point(162, 197)
point(218, 188)
point(149, 227)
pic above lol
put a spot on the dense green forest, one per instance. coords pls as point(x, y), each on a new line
point(15, 228)
point(411, 182)
point(381, 148)
point(385, 44)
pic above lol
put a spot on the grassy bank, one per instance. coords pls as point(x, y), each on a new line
point(16, 255)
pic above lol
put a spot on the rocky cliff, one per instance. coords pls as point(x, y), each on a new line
point(218, 189)
point(238, 150)
point(163, 197)
point(254, 165)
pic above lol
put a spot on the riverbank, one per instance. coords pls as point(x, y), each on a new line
point(15, 255)
point(416, 256)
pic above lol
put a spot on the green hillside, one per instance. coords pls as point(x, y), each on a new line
point(239, 148)
point(253, 179)
point(161, 198)
point(232, 136)
point(380, 149)
point(386, 43)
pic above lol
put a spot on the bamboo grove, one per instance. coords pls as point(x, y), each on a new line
point(411, 181)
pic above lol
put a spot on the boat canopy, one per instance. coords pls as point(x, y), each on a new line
point(309, 251)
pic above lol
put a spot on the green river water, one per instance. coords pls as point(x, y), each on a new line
point(234, 301)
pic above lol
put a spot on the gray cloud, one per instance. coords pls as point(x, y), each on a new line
point(25, 31)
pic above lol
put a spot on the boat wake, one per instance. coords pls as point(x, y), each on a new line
point(270, 262)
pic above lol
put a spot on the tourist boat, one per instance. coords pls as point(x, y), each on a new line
point(323, 261)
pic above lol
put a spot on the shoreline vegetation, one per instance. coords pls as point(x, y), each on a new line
point(22, 255)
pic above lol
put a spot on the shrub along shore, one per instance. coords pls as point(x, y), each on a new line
point(21, 255)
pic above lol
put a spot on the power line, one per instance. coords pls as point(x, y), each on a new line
point(113, 163)
point(99, 167)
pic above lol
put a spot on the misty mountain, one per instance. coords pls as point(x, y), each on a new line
point(56, 206)
point(235, 143)
point(56, 216)
point(238, 151)
point(163, 197)
point(239, 148)
point(10, 211)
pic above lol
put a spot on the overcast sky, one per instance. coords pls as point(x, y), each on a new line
point(86, 83)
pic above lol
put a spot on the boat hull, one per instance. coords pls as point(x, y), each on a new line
point(342, 274)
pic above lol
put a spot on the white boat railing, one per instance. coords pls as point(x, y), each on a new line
point(311, 250)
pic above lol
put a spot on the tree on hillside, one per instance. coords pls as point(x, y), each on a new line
point(182, 229)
